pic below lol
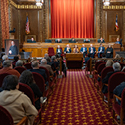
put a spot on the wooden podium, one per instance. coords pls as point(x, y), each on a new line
point(116, 48)
point(74, 60)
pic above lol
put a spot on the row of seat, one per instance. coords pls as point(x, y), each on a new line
point(113, 81)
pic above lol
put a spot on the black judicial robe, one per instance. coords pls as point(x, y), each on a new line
point(109, 55)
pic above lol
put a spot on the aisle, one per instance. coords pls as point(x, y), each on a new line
point(75, 102)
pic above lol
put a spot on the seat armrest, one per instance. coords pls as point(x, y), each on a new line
point(24, 120)
point(119, 98)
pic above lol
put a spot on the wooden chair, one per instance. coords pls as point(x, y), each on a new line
point(28, 91)
point(6, 118)
point(119, 109)
point(113, 81)
point(2, 76)
point(20, 69)
point(87, 69)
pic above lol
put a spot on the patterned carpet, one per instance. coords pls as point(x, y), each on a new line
point(75, 102)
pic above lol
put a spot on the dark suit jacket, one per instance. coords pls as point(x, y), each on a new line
point(105, 80)
point(93, 49)
point(118, 90)
point(82, 49)
point(40, 71)
point(71, 41)
point(103, 49)
point(65, 50)
point(60, 51)
point(109, 55)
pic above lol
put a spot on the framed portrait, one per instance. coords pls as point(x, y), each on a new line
point(11, 47)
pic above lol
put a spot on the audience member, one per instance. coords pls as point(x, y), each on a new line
point(116, 68)
point(101, 50)
point(48, 67)
point(15, 101)
point(109, 52)
point(4, 57)
point(59, 50)
point(19, 63)
point(55, 64)
point(7, 68)
point(117, 56)
point(83, 50)
point(92, 51)
point(67, 49)
point(87, 58)
point(35, 66)
point(109, 63)
point(76, 50)
point(16, 58)
point(118, 91)
point(27, 78)
point(46, 55)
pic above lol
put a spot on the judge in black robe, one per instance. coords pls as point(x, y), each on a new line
point(109, 52)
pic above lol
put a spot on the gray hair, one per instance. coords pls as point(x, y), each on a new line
point(43, 61)
point(7, 63)
point(109, 63)
point(35, 64)
point(19, 63)
point(46, 55)
point(116, 66)
point(53, 58)
point(4, 57)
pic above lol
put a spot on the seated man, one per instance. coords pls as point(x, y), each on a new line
point(92, 51)
point(118, 42)
point(72, 40)
point(35, 66)
point(118, 90)
point(59, 51)
point(19, 63)
point(83, 50)
point(76, 50)
point(101, 40)
point(58, 41)
point(48, 67)
point(16, 102)
point(86, 41)
point(101, 50)
point(7, 68)
point(109, 52)
point(67, 49)
point(4, 57)
point(116, 68)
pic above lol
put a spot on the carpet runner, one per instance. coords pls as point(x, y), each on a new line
point(76, 102)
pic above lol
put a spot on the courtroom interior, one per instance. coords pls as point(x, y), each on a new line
point(62, 62)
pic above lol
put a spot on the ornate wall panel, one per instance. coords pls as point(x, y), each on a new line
point(0, 28)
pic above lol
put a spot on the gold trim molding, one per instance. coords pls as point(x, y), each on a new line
point(24, 6)
point(115, 7)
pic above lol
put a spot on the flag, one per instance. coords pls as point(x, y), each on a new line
point(116, 23)
point(27, 30)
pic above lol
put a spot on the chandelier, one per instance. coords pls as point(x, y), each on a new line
point(106, 2)
point(39, 2)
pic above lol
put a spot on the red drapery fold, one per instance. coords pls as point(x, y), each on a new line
point(4, 20)
point(72, 18)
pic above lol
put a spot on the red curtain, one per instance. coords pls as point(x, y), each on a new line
point(4, 20)
point(72, 18)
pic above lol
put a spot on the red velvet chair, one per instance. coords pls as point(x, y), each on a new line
point(51, 83)
point(28, 66)
point(41, 83)
point(122, 65)
point(103, 75)
point(2, 76)
point(6, 118)
point(119, 109)
point(51, 51)
point(97, 70)
point(29, 92)
point(20, 69)
point(113, 81)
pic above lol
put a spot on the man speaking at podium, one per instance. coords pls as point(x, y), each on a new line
point(13, 49)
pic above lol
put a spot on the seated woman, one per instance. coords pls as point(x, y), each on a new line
point(27, 78)
point(109, 52)
point(15, 101)
point(76, 50)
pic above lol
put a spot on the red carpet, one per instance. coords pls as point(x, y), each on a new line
point(76, 102)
